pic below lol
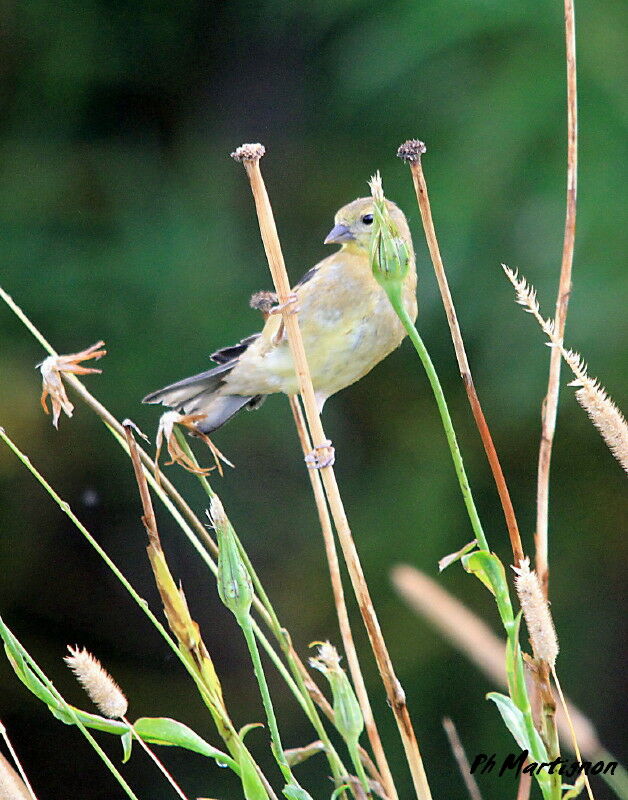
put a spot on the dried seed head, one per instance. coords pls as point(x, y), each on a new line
point(263, 301)
point(248, 152)
point(537, 614)
point(103, 691)
point(411, 151)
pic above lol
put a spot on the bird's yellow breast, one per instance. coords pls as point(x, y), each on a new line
point(347, 324)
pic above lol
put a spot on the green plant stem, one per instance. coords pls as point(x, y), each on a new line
point(354, 752)
point(450, 433)
point(295, 682)
point(277, 747)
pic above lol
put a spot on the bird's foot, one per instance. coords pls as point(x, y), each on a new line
point(314, 460)
point(291, 301)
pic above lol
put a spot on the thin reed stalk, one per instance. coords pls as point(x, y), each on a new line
point(9, 780)
point(250, 156)
point(341, 608)
point(411, 153)
point(550, 404)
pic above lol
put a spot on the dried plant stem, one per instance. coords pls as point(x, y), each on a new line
point(461, 759)
point(394, 691)
point(16, 761)
point(574, 738)
point(156, 760)
point(550, 404)
point(420, 188)
point(341, 608)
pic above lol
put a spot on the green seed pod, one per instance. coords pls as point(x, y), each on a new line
point(234, 581)
point(390, 257)
point(347, 714)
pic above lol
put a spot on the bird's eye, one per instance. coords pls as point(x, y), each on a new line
point(367, 219)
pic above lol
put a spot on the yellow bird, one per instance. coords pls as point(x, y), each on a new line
point(346, 320)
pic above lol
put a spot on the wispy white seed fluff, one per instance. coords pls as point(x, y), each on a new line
point(103, 691)
point(591, 395)
point(536, 613)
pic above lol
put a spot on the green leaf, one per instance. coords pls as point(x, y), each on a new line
point(339, 791)
point(447, 560)
point(490, 570)
point(251, 783)
point(294, 792)
point(166, 731)
point(513, 718)
point(515, 722)
point(127, 741)
point(247, 728)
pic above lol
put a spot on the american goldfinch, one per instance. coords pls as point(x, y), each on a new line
point(346, 320)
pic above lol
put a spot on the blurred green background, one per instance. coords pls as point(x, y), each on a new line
point(123, 218)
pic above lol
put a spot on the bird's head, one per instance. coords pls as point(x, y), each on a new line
point(354, 223)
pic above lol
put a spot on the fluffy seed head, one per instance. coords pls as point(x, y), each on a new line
point(103, 691)
point(537, 614)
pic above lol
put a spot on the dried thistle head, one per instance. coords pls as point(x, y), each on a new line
point(52, 369)
point(103, 691)
point(411, 151)
point(263, 301)
point(536, 613)
point(248, 152)
point(177, 454)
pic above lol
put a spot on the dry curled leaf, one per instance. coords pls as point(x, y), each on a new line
point(52, 369)
point(176, 452)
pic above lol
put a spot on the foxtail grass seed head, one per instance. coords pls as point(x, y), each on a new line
point(347, 714)
point(536, 613)
point(234, 582)
point(248, 152)
point(591, 395)
point(602, 412)
point(411, 151)
point(103, 691)
point(390, 256)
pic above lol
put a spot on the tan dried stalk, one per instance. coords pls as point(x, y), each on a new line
point(461, 759)
point(550, 404)
point(411, 152)
point(12, 785)
point(250, 155)
point(385, 776)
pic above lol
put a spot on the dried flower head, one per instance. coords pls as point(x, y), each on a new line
point(591, 395)
point(176, 452)
point(536, 613)
point(248, 152)
point(52, 369)
point(411, 151)
point(263, 301)
point(103, 691)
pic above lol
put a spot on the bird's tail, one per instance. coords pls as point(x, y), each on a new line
point(201, 394)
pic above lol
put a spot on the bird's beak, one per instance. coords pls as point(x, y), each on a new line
point(339, 234)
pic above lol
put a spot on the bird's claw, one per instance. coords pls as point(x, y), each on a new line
point(280, 307)
point(313, 459)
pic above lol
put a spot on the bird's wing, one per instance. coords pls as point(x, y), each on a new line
point(226, 354)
